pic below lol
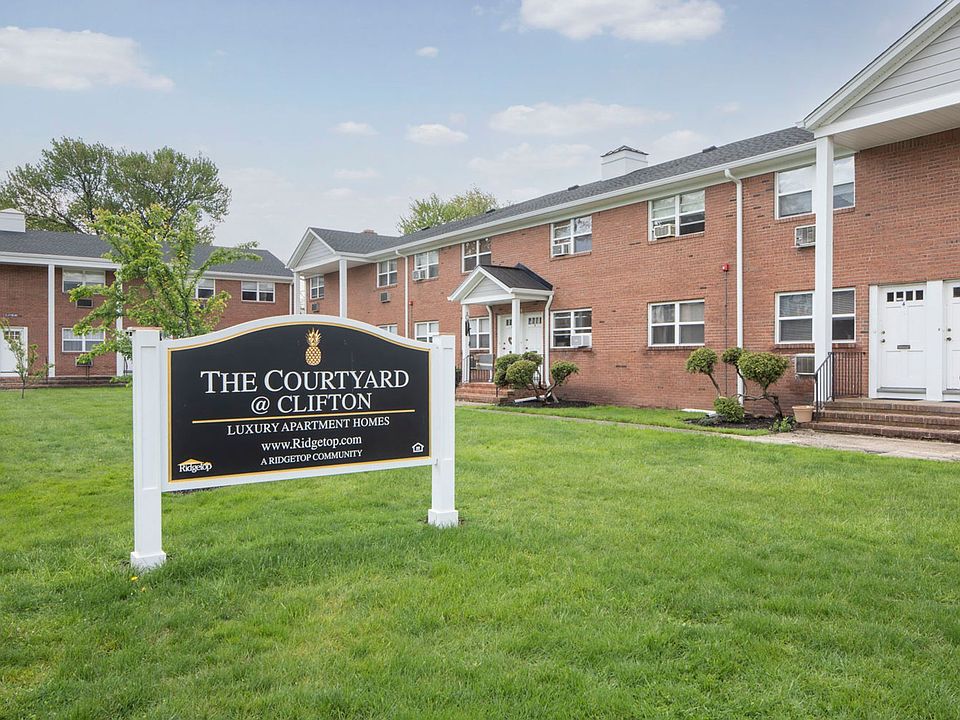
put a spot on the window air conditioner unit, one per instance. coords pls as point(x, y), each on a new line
point(580, 341)
point(805, 365)
point(419, 275)
point(560, 250)
point(384, 297)
point(805, 236)
point(664, 231)
point(85, 302)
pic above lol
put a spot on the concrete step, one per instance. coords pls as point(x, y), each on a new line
point(894, 431)
point(874, 417)
point(922, 407)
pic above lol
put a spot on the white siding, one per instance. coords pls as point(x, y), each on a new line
point(316, 253)
point(933, 71)
point(487, 287)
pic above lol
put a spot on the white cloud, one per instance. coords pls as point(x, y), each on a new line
point(557, 120)
point(351, 127)
point(434, 134)
point(729, 108)
point(428, 51)
point(677, 144)
point(519, 173)
point(664, 21)
point(67, 60)
point(527, 157)
point(367, 174)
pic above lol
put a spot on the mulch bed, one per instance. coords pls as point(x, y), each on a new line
point(560, 404)
point(751, 422)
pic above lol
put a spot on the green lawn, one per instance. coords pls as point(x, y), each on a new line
point(659, 417)
point(602, 571)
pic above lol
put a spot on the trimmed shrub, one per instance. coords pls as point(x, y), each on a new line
point(561, 371)
point(521, 374)
point(729, 409)
point(731, 356)
point(500, 368)
point(764, 369)
point(703, 361)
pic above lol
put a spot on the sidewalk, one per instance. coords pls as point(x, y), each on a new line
point(889, 447)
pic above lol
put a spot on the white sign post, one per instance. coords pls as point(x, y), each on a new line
point(250, 404)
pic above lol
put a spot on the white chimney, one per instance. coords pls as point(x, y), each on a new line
point(621, 161)
point(12, 221)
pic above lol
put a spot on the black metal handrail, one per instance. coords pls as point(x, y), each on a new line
point(840, 375)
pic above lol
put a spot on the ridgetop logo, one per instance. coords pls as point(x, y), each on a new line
point(194, 466)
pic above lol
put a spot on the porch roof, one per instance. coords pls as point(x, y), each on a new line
point(493, 284)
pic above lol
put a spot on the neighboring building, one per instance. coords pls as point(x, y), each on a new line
point(39, 268)
point(842, 235)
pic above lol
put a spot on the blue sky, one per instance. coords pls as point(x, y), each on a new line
point(337, 113)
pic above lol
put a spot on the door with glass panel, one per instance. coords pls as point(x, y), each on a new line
point(951, 337)
point(902, 342)
point(8, 361)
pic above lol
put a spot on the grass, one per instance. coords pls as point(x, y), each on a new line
point(602, 571)
point(658, 417)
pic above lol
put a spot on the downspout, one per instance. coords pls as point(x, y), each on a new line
point(406, 292)
point(546, 339)
point(739, 183)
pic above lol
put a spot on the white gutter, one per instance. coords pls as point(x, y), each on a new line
point(547, 333)
point(406, 293)
point(739, 183)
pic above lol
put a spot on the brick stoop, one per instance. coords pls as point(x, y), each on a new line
point(483, 392)
point(916, 420)
point(13, 383)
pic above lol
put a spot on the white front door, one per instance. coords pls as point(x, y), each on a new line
point(902, 328)
point(8, 362)
point(951, 296)
point(504, 334)
point(532, 331)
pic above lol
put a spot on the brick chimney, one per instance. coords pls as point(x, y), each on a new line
point(621, 161)
point(12, 221)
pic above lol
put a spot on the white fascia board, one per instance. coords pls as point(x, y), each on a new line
point(887, 63)
point(334, 261)
point(917, 108)
point(247, 276)
point(308, 237)
point(471, 281)
point(756, 165)
point(58, 260)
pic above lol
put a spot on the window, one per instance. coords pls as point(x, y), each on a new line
point(392, 328)
point(682, 214)
point(572, 328)
point(795, 317)
point(426, 331)
point(316, 287)
point(205, 288)
point(476, 252)
point(426, 265)
point(571, 236)
point(73, 343)
point(77, 278)
point(795, 188)
point(677, 323)
point(479, 333)
point(387, 273)
point(255, 291)
point(902, 296)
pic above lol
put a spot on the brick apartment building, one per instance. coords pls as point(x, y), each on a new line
point(836, 243)
point(39, 268)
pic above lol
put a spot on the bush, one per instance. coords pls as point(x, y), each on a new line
point(731, 356)
point(703, 360)
point(561, 371)
point(532, 356)
point(729, 409)
point(500, 368)
point(764, 369)
point(521, 374)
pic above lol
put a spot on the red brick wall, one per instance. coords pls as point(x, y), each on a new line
point(23, 293)
point(239, 310)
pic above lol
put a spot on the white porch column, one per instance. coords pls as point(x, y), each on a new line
point(295, 308)
point(515, 334)
point(52, 343)
point(464, 344)
point(823, 252)
point(343, 288)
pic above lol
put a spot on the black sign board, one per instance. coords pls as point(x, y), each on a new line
point(295, 396)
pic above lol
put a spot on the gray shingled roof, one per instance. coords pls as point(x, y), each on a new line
point(518, 277)
point(359, 243)
point(81, 245)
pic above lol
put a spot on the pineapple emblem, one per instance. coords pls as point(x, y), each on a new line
point(313, 354)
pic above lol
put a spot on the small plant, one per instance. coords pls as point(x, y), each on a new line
point(764, 369)
point(25, 357)
point(703, 361)
point(784, 424)
point(729, 409)
point(523, 373)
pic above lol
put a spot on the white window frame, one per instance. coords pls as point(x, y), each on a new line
point(429, 261)
point(87, 342)
point(315, 287)
point(426, 330)
point(476, 332)
point(205, 284)
point(476, 254)
point(390, 328)
point(833, 316)
point(777, 195)
point(678, 214)
point(676, 324)
point(87, 277)
point(582, 330)
point(571, 235)
point(261, 288)
point(387, 273)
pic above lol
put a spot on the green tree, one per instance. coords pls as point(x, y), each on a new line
point(434, 210)
point(156, 278)
point(73, 179)
point(25, 357)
